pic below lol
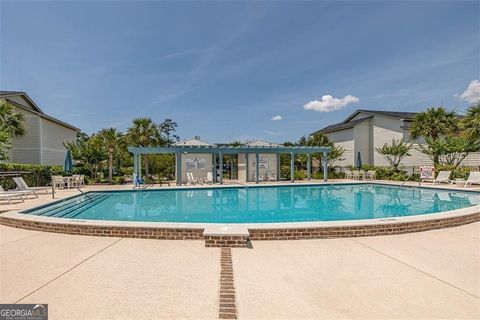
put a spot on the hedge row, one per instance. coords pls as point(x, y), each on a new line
point(35, 174)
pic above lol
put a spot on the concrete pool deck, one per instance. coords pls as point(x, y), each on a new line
point(433, 274)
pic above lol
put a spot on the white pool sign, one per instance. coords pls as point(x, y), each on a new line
point(262, 162)
point(196, 164)
point(427, 172)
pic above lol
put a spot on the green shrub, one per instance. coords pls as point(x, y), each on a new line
point(37, 175)
point(119, 180)
point(459, 172)
point(300, 174)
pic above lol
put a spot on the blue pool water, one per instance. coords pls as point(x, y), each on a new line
point(260, 204)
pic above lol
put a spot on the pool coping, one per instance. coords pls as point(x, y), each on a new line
point(257, 231)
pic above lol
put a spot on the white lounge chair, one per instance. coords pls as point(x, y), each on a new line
point(9, 195)
point(473, 178)
point(23, 186)
point(209, 178)
point(191, 179)
point(443, 176)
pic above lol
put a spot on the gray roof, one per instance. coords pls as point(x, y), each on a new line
point(395, 114)
point(7, 93)
point(347, 123)
point(36, 108)
point(341, 126)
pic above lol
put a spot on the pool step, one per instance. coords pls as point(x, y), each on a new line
point(60, 212)
point(59, 209)
point(72, 212)
point(53, 208)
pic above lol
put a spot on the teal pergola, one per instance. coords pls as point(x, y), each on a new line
point(223, 150)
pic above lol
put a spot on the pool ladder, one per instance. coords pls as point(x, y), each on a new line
point(408, 178)
point(85, 194)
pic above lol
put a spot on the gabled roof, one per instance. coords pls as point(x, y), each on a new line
point(193, 142)
point(348, 123)
point(6, 94)
point(261, 143)
point(35, 108)
point(393, 114)
point(341, 126)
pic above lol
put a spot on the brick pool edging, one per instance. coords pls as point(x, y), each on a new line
point(360, 230)
point(106, 230)
point(294, 231)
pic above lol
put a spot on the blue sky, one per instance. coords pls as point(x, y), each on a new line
point(224, 70)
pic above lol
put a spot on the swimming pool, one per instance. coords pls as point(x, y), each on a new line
point(260, 204)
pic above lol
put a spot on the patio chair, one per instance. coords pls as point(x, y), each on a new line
point(209, 178)
point(443, 176)
point(191, 179)
point(473, 178)
point(272, 177)
point(10, 196)
point(15, 194)
point(356, 175)
point(22, 185)
point(348, 174)
point(81, 180)
point(58, 182)
point(260, 178)
point(370, 175)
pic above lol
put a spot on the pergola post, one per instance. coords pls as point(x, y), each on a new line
point(292, 167)
point(325, 166)
point(246, 167)
point(257, 167)
point(278, 167)
point(135, 169)
point(179, 168)
point(309, 166)
point(139, 175)
point(220, 165)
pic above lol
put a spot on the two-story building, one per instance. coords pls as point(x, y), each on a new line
point(365, 130)
point(44, 136)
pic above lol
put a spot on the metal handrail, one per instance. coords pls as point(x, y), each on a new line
point(85, 194)
point(408, 178)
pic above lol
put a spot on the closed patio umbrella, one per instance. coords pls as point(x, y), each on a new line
point(359, 160)
point(68, 165)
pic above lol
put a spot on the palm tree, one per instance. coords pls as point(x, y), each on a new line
point(433, 123)
point(111, 140)
point(11, 124)
point(144, 133)
point(89, 152)
point(10, 121)
point(471, 123)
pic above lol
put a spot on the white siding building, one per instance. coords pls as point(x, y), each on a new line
point(199, 164)
point(365, 130)
point(44, 136)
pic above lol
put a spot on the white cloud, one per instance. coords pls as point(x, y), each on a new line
point(472, 94)
point(276, 118)
point(329, 103)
